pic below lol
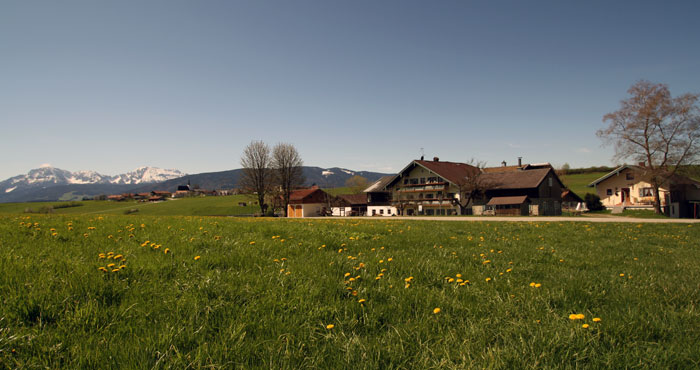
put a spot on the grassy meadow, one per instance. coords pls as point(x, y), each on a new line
point(578, 183)
point(137, 291)
point(195, 206)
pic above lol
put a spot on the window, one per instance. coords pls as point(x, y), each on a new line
point(646, 192)
point(422, 180)
point(608, 192)
point(629, 176)
point(550, 182)
point(388, 211)
point(429, 196)
point(405, 181)
point(429, 212)
point(381, 211)
point(414, 181)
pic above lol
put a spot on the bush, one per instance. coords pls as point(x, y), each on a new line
point(67, 205)
point(130, 211)
point(593, 202)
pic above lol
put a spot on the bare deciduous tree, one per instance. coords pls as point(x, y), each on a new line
point(472, 187)
point(257, 175)
point(656, 129)
point(287, 165)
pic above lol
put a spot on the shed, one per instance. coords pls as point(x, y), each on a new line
point(510, 206)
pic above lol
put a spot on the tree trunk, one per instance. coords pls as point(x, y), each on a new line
point(657, 199)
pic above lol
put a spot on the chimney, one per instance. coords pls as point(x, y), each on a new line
point(520, 161)
point(422, 157)
point(503, 163)
point(436, 159)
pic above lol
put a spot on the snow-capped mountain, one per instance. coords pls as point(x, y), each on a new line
point(51, 176)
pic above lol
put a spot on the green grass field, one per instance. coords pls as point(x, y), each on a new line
point(196, 206)
point(578, 182)
point(274, 293)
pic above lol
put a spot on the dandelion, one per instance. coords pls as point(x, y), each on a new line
point(196, 258)
point(622, 275)
point(596, 319)
point(330, 326)
point(488, 280)
point(346, 274)
point(111, 265)
point(576, 316)
point(538, 285)
point(437, 310)
point(166, 251)
point(585, 326)
point(115, 270)
point(362, 301)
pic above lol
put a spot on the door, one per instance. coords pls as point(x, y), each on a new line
point(625, 195)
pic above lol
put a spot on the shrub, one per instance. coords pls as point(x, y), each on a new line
point(593, 202)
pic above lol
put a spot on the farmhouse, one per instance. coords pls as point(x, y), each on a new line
point(629, 186)
point(436, 188)
point(309, 202)
point(428, 187)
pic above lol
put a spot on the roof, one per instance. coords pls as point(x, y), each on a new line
point(525, 179)
point(569, 196)
point(497, 201)
point(380, 184)
point(453, 172)
point(526, 167)
point(676, 179)
point(310, 195)
point(354, 198)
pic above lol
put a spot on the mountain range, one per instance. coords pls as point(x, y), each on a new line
point(51, 184)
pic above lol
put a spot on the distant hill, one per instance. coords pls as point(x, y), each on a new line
point(323, 177)
point(60, 190)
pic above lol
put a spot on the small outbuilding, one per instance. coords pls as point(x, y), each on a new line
point(309, 202)
point(509, 206)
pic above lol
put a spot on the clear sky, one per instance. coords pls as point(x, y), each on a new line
point(362, 84)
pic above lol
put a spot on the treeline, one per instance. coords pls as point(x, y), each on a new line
point(575, 171)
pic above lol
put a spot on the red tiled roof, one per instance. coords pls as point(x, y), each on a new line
point(498, 201)
point(453, 172)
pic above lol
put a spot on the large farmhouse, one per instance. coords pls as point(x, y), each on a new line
point(437, 187)
point(630, 186)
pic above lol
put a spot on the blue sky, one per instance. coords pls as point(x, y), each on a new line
point(111, 86)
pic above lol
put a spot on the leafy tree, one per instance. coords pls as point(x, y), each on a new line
point(357, 184)
point(653, 128)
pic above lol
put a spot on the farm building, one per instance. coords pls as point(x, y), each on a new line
point(309, 202)
point(436, 188)
point(379, 199)
point(349, 205)
point(629, 186)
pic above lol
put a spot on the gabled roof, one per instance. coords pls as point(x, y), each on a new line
point(498, 201)
point(380, 184)
point(450, 171)
point(612, 173)
point(523, 179)
point(453, 172)
point(300, 194)
point(676, 179)
point(354, 199)
point(569, 196)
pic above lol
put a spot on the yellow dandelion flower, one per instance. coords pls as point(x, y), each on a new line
point(488, 280)
point(330, 326)
point(436, 310)
point(115, 270)
point(622, 275)
point(538, 285)
point(362, 301)
point(346, 274)
point(596, 319)
point(459, 275)
point(111, 265)
point(509, 270)
point(122, 267)
point(166, 251)
point(585, 326)
point(196, 258)
point(407, 286)
point(118, 256)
